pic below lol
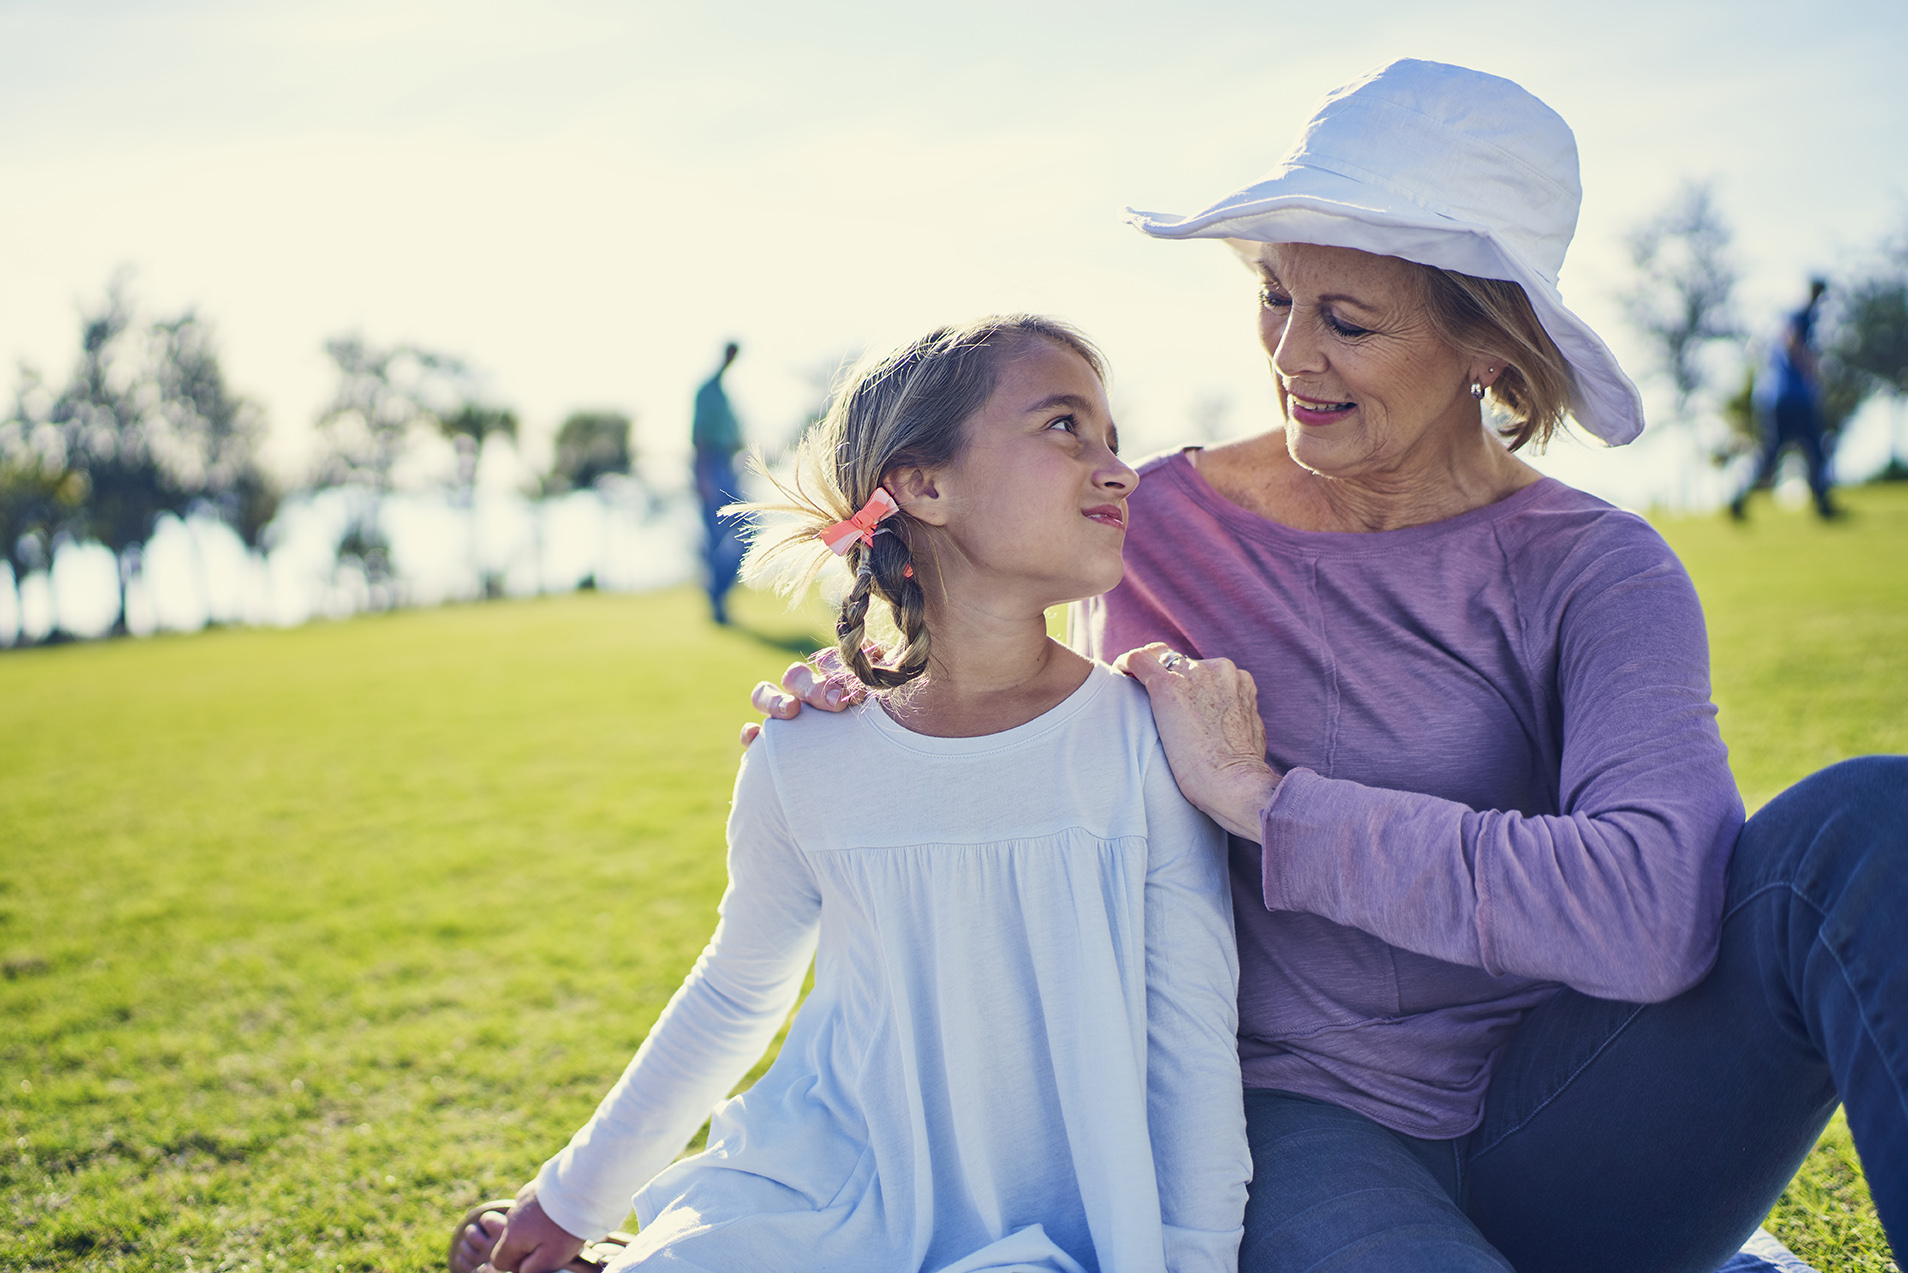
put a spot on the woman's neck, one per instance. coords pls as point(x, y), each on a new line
point(1259, 475)
point(987, 672)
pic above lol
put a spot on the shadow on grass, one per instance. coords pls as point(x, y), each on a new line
point(798, 644)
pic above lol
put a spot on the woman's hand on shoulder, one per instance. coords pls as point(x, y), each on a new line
point(1207, 711)
point(803, 685)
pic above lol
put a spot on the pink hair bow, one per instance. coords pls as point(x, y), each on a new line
point(841, 535)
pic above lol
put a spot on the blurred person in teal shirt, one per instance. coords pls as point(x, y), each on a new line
point(717, 435)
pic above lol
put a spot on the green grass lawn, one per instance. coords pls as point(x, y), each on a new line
point(312, 938)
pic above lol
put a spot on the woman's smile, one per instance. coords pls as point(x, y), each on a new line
point(1352, 347)
point(1315, 411)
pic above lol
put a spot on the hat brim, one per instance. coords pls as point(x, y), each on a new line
point(1304, 204)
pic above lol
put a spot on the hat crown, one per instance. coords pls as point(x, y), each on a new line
point(1445, 167)
point(1459, 143)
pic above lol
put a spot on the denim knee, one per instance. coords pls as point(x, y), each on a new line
point(1840, 831)
point(1819, 886)
point(1821, 879)
point(1334, 1192)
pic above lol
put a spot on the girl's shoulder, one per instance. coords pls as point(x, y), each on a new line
point(1128, 701)
point(1107, 704)
point(859, 781)
point(815, 731)
point(835, 771)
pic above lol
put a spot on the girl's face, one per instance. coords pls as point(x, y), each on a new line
point(1034, 509)
point(1370, 389)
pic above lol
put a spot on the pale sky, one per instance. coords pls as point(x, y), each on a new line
point(586, 199)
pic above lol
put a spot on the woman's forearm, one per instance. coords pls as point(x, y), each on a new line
point(1235, 797)
point(1620, 900)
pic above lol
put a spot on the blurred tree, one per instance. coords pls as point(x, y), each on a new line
point(383, 394)
point(467, 426)
point(589, 445)
point(205, 435)
point(1683, 300)
point(1844, 389)
point(1745, 422)
point(40, 497)
point(37, 504)
point(1873, 336)
point(1872, 344)
point(362, 545)
point(145, 425)
point(106, 433)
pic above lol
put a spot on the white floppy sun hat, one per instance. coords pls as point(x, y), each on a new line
point(1446, 167)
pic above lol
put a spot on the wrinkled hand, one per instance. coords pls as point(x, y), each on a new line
point(823, 687)
point(1207, 711)
point(531, 1242)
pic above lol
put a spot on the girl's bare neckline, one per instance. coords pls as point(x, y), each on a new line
point(1078, 671)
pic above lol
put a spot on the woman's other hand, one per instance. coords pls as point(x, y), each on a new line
point(1208, 716)
point(803, 685)
point(531, 1242)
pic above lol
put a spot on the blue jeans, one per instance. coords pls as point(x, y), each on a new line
point(723, 546)
point(1793, 423)
point(1645, 1137)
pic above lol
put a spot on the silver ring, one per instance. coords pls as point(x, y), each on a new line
point(1173, 660)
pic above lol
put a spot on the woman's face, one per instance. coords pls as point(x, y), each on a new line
point(1035, 505)
point(1369, 388)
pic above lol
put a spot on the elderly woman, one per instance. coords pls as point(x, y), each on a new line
point(1518, 986)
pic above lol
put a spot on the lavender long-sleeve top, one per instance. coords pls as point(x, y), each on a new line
point(1502, 774)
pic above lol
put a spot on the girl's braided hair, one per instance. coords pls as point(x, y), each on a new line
point(907, 409)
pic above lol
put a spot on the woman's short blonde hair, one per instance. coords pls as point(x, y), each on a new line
point(1533, 390)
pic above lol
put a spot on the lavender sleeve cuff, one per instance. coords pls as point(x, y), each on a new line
point(1620, 905)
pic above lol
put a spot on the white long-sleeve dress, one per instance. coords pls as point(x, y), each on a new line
point(1019, 1051)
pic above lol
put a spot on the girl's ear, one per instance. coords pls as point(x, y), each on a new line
point(918, 492)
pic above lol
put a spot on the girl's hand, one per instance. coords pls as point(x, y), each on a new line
point(822, 687)
point(531, 1242)
point(1208, 716)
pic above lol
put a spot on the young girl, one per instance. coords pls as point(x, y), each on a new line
point(1019, 1051)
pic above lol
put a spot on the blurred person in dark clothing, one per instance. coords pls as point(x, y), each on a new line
point(1790, 405)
